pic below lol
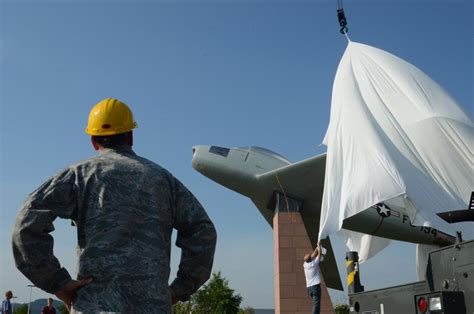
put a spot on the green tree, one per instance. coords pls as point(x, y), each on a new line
point(61, 308)
point(247, 310)
point(342, 309)
point(183, 307)
point(21, 309)
point(216, 297)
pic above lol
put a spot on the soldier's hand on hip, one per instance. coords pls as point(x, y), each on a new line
point(68, 293)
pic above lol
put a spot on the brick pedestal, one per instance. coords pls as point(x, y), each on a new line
point(291, 243)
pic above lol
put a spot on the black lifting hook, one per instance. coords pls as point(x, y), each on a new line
point(342, 21)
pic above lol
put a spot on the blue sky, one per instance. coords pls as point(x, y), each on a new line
point(230, 73)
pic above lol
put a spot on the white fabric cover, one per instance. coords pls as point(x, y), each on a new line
point(364, 244)
point(393, 132)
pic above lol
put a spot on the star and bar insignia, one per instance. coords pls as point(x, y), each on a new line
point(385, 211)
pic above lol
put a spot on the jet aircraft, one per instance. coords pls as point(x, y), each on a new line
point(260, 174)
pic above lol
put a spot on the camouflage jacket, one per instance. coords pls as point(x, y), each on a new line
point(125, 208)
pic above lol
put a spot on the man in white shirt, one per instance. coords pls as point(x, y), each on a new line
point(313, 280)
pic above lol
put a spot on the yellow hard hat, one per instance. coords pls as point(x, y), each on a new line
point(109, 117)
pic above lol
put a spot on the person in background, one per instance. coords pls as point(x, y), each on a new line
point(6, 305)
point(48, 309)
point(313, 280)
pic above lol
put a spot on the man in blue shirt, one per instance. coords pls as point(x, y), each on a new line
point(6, 305)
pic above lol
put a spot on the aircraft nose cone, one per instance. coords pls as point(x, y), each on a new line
point(197, 157)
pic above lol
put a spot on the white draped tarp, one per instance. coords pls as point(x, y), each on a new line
point(393, 133)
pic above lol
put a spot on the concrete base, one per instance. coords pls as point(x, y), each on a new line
point(291, 243)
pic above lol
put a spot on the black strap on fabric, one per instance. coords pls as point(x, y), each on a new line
point(342, 18)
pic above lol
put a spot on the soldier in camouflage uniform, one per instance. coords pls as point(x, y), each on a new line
point(125, 208)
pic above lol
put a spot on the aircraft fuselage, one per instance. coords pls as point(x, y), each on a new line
point(257, 173)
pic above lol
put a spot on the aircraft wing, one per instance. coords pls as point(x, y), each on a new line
point(303, 181)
